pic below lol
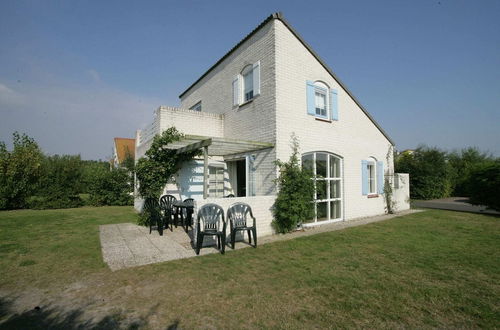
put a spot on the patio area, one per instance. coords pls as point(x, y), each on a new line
point(126, 245)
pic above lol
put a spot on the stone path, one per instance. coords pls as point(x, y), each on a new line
point(127, 245)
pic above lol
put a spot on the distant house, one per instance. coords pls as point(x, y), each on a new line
point(242, 113)
point(123, 148)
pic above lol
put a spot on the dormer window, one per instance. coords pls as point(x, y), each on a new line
point(246, 85)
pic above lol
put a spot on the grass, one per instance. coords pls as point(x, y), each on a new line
point(425, 270)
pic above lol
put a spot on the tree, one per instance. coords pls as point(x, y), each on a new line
point(295, 193)
point(19, 171)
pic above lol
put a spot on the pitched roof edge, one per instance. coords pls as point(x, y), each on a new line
point(248, 36)
point(330, 71)
point(280, 17)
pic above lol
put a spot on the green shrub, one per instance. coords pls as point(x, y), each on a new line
point(19, 171)
point(295, 193)
point(430, 173)
point(484, 185)
point(48, 202)
point(110, 187)
point(462, 163)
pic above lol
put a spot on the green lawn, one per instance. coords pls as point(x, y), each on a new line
point(429, 269)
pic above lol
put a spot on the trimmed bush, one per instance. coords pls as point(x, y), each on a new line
point(484, 185)
point(111, 187)
point(430, 173)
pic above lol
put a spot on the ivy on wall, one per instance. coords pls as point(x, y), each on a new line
point(158, 166)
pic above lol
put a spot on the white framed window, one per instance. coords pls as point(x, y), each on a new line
point(247, 74)
point(322, 101)
point(246, 85)
point(328, 195)
point(216, 181)
point(372, 177)
point(321, 104)
point(196, 107)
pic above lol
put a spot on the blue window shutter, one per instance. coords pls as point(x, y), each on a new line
point(364, 177)
point(334, 96)
point(380, 177)
point(236, 90)
point(311, 107)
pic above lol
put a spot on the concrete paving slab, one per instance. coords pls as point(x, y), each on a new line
point(127, 245)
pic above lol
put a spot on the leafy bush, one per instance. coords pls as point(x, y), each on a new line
point(430, 173)
point(295, 192)
point(59, 183)
point(49, 202)
point(110, 187)
point(462, 163)
point(19, 171)
point(484, 185)
point(157, 168)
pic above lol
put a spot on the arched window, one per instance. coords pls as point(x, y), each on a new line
point(328, 196)
point(321, 99)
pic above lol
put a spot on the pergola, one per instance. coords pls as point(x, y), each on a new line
point(215, 146)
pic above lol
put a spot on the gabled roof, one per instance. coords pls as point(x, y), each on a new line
point(123, 147)
point(279, 16)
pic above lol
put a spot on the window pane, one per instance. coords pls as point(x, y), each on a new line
point(321, 165)
point(335, 189)
point(248, 82)
point(334, 167)
point(322, 211)
point(335, 211)
point(308, 162)
point(321, 186)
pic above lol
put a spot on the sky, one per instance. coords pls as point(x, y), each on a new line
point(76, 74)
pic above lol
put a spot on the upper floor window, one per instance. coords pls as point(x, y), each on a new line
point(322, 101)
point(196, 107)
point(247, 74)
point(246, 85)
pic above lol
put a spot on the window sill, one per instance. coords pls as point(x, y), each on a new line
point(373, 196)
point(246, 102)
point(323, 120)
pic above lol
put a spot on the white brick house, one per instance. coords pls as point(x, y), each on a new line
point(266, 88)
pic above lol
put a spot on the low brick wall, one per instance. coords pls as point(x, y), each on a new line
point(401, 192)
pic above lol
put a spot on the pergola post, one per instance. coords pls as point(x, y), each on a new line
point(205, 172)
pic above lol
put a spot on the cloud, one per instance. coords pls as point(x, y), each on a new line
point(9, 97)
point(94, 75)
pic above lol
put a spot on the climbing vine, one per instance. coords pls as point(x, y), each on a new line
point(158, 166)
point(388, 192)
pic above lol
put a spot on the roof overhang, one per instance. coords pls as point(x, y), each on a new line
point(216, 146)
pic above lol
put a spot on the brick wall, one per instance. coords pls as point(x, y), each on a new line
point(255, 120)
point(353, 137)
